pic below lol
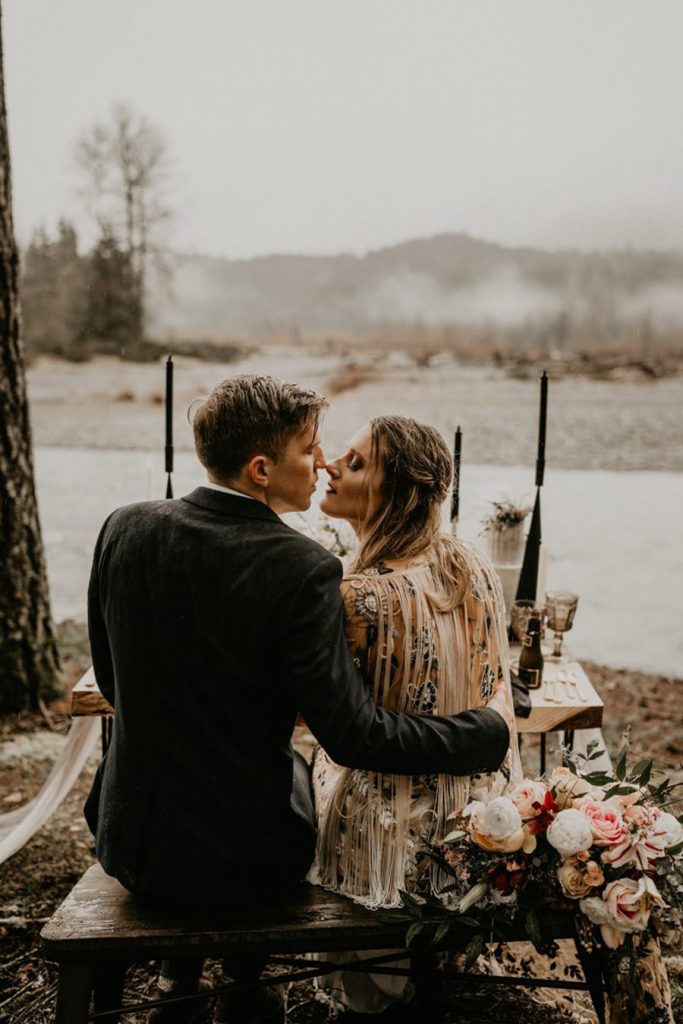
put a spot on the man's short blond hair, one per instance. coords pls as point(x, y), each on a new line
point(251, 415)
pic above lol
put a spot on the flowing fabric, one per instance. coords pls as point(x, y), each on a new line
point(18, 826)
point(372, 828)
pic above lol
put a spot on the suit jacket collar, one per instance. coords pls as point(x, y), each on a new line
point(230, 505)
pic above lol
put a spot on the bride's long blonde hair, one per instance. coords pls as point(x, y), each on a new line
point(406, 520)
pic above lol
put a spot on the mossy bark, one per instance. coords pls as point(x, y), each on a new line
point(28, 653)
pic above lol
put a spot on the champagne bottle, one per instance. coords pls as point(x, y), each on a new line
point(531, 658)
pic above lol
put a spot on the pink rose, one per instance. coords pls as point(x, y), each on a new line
point(605, 821)
point(628, 905)
point(526, 795)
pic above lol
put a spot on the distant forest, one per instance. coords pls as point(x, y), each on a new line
point(451, 290)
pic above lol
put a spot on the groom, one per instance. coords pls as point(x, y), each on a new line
point(212, 624)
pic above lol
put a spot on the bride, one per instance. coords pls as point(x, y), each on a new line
point(425, 621)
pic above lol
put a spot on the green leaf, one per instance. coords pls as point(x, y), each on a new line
point(414, 930)
point(618, 791)
point(441, 931)
point(533, 929)
point(595, 754)
point(469, 922)
point(598, 778)
point(410, 904)
point(591, 746)
point(673, 851)
point(473, 950)
point(453, 837)
point(620, 770)
point(642, 772)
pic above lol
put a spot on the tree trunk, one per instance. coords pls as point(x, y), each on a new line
point(28, 653)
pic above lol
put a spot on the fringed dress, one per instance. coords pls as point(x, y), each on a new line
point(373, 828)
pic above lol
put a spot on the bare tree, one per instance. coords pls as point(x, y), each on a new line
point(125, 169)
point(28, 653)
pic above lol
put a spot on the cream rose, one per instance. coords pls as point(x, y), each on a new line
point(606, 821)
point(570, 833)
point(595, 909)
point(573, 881)
point(499, 818)
point(525, 795)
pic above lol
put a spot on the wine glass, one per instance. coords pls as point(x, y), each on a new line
point(519, 617)
point(560, 608)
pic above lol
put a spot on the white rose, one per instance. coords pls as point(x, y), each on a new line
point(672, 827)
point(570, 833)
point(473, 808)
point(595, 909)
point(499, 819)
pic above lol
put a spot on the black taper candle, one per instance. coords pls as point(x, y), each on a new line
point(169, 425)
point(543, 415)
point(457, 458)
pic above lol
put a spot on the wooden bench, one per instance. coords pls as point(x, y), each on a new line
point(100, 929)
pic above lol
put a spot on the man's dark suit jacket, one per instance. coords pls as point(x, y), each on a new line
point(212, 623)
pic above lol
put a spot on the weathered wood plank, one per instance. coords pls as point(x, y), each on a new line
point(100, 919)
point(87, 698)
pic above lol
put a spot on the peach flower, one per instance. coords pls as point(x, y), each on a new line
point(594, 873)
point(510, 844)
point(572, 879)
point(567, 786)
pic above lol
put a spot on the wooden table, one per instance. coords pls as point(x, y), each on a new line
point(556, 707)
point(578, 707)
point(88, 700)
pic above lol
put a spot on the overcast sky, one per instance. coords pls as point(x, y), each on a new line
point(333, 125)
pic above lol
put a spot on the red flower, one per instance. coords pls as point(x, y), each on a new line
point(507, 875)
point(546, 811)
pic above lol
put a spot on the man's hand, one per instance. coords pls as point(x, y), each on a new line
point(500, 702)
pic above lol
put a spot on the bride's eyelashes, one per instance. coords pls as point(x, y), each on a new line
point(355, 463)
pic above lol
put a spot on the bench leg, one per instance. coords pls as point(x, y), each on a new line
point(591, 963)
point(108, 988)
point(428, 987)
point(74, 988)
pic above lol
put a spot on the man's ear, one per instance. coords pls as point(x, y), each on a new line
point(257, 470)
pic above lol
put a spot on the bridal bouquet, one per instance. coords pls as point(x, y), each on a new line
point(602, 844)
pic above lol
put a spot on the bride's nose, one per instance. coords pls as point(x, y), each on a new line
point(333, 469)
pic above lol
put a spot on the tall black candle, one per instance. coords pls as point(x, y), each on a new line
point(169, 425)
point(543, 415)
point(457, 458)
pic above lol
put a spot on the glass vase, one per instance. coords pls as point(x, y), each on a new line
point(506, 546)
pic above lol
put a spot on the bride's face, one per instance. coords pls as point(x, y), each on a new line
point(354, 489)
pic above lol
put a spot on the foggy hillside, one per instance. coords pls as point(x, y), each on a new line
point(431, 283)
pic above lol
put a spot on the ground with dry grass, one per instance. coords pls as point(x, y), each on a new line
point(36, 879)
